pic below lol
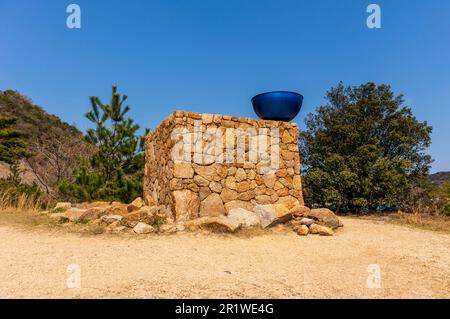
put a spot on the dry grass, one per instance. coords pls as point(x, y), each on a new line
point(440, 223)
point(21, 202)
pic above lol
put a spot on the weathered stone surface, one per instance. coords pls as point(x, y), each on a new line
point(240, 175)
point(212, 206)
point(228, 195)
point(177, 162)
point(59, 217)
point(243, 217)
point(109, 219)
point(117, 209)
point(301, 211)
point(301, 230)
point(186, 204)
point(93, 213)
point(306, 221)
point(215, 187)
point(325, 217)
point(142, 228)
point(218, 224)
point(321, 230)
point(272, 214)
point(238, 204)
point(74, 214)
point(138, 202)
point(142, 215)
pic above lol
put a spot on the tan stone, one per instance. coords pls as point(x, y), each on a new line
point(208, 172)
point(212, 206)
point(297, 182)
point(301, 230)
point(201, 181)
point(269, 180)
point(204, 192)
point(117, 209)
point(286, 137)
point(207, 118)
point(183, 170)
point(241, 175)
point(243, 217)
point(186, 204)
point(289, 201)
point(230, 183)
point(232, 171)
point(251, 175)
point(219, 224)
point(215, 187)
point(321, 230)
point(246, 195)
point(242, 186)
point(272, 214)
point(263, 199)
point(228, 195)
point(238, 204)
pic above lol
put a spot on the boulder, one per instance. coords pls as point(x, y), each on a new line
point(272, 214)
point(300, 211)
point(306, 221)
point(243, 217)
point(325, 217)
point(63, 205)
point(135, 205)
point(321, 230)
point(75, 214)
point(143, 228)
point(108, 219)
point(186, 204)
point(93, 213)
point(301, 230)
point(212, 206)
point(218, 224)
point(117, 209)
point(142, 215)
point(238, 204)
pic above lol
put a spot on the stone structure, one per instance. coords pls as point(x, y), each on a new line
point(206, 164)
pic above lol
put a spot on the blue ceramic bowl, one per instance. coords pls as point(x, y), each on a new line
point(277, 105)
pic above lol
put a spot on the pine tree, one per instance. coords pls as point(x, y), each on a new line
point(115, 172)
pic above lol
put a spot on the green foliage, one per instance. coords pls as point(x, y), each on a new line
point(364, 150)
point(446, 208)
point(12, 144)
point(115, 171)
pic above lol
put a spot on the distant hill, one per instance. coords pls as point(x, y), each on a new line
point(57, 146)
point(440, 177)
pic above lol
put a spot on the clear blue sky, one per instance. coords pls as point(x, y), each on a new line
point(213, 56)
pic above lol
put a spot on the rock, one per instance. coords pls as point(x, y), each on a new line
point(215, 187)
point(109, 219)
point(212, 206)
point(263, 199)
point(325, 217)
point(201, 181)
point(243, 217)
point(218, 224)
point(238, 204)
point(240, 175)
point(207, 172)
point(186, 204)
point(142, 228)
point(228, 195)
point(289, 201)
point(301, 211)
point(75, 214)
point(92, 214)
point(59, 217)
point(183, 170)
point(135, 205)
point(117, 209)
point(321, 230)
point(269, 180)
point(301, 230)
point(63, 205)
point(142, 215)
point(272, 214)
point(306, 221)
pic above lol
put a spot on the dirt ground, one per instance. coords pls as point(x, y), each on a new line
point(413, 262)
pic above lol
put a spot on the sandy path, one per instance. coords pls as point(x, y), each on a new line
point(414, 263)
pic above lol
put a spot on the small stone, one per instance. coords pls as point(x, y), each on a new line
point(74, 214)
point(201, 181)
point(142, 228)
point(269, 180)
point(212, 206)
point(228, 195)
point(306, 221)
point(183, 170)
point(302, 230)
point(240, 175)
point(109, 219)
point(215, 187)
point(321, 230)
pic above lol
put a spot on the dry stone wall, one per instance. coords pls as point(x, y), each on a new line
point(207, 164)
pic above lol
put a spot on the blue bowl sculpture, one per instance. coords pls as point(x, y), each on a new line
point(277, 105)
